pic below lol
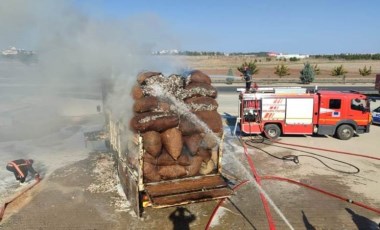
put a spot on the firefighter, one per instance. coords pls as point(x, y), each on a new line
point(21, 167)
point(247, 76)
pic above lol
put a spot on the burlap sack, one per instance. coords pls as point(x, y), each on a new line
point(205, 154)
point(153, 121)
point(215, 155)
point(200, 89)
point(172, 171)
point(165, 159)
point(152, 143)
point(184, 159)
point(149, 159)
point(137, 92)
point(199, 77)
point(201, 103)
point(207, 168)
point(212, 119)
point(163, 107)
point(195, 165)
point(193, 142)
point(187, 127)
point(150, 173)
point(145, 104)
point(210, 140)
point(145, 75)
point(172, 141)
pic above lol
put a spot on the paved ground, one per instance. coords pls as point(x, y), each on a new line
point(84, 195)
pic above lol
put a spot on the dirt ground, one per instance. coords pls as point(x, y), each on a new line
point(219, 65)
point(86, 195)
point(83, 196)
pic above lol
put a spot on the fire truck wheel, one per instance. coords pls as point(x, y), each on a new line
point(345, 132)
point(272, 131)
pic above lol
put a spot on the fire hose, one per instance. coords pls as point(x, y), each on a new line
point(262, 196)
point(268, 177)
point(14, 197)
point(327, 150)
point(221, 201)
point(321, 191)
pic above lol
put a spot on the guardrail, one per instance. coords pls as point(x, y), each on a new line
point(223, 79)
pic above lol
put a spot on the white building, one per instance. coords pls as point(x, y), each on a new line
point(287, 56)
point(10, 51)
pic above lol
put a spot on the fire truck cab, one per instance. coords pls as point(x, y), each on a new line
point(294, 110)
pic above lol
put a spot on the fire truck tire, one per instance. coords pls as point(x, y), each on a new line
point(344, 132)
point(272, 131)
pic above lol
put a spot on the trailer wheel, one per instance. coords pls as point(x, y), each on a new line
point(272, 131)
point(345, 132)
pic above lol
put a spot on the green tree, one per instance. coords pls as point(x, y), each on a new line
point(281, 70)
point(230, 79)
point(252, 67)
point(365, 71)
point(230, 72)
point(338, 71)
point(307, 74)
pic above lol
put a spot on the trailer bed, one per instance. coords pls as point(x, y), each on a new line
point(187, 190)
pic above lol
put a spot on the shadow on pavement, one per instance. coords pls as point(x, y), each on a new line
point(362, 222)
point(181, 218)
point(308, 225)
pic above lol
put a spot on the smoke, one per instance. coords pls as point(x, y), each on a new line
point(47, 104)
point(75, 50)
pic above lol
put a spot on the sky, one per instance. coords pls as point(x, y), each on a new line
point(297, 26)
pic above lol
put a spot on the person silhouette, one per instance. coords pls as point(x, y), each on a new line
point(181, 218)
point(362, 222)
point(247, 76)
point(308, 225)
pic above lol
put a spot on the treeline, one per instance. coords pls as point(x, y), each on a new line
point(265, 54)
point(201, 53)
point(212, 53)
point(349, 56)
point(257, 54)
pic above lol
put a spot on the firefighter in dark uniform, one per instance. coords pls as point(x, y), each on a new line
point(247, 76)
point(21, 167)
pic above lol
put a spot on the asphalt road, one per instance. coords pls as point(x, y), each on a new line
point(362, 89)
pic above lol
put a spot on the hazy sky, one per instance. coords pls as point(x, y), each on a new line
point(296, 26)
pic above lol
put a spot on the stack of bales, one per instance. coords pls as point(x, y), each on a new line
point(175, 144)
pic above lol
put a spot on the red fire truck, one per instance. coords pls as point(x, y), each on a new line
point(295, 110)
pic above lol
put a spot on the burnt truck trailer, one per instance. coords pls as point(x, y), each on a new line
point(169, 153)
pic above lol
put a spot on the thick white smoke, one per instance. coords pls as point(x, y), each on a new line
point(47, 104)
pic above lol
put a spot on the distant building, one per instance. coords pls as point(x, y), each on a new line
point(272, 54)
point(287, 56)
point(13, 51)
point(10, 51)
point(166, 52)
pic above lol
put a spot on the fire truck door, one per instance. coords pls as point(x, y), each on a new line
point(330, 112)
